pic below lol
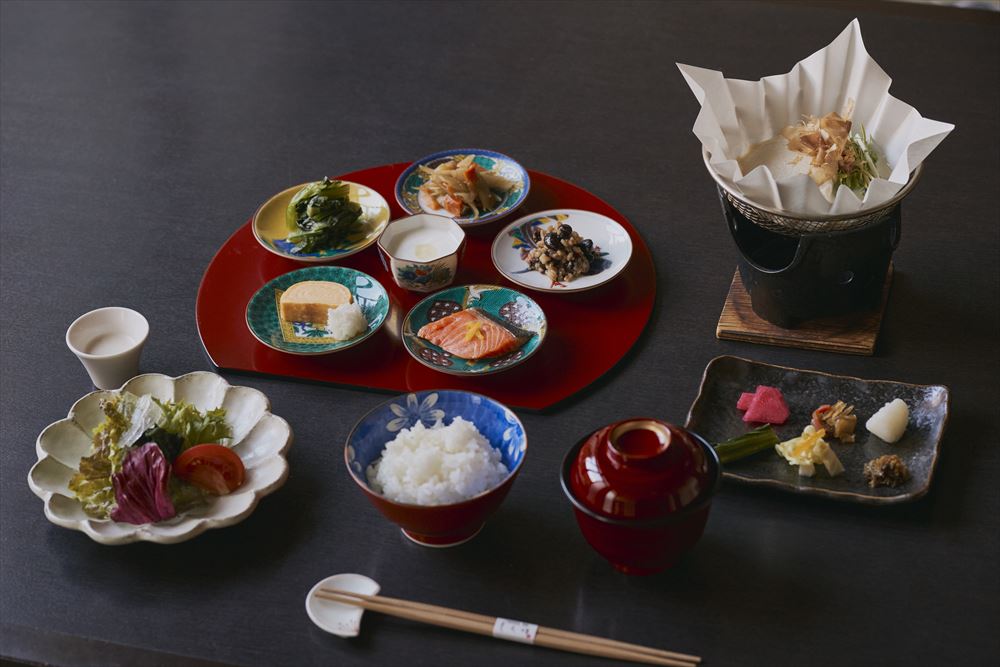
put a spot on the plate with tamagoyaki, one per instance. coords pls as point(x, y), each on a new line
point(265, 322)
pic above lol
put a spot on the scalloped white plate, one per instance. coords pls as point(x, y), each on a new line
point(259, 437)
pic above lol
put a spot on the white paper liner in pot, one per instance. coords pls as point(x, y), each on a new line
point(737, 115)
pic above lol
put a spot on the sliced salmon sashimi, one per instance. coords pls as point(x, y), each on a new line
point(469, 334)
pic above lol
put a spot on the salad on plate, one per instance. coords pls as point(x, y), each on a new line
point(152, 460)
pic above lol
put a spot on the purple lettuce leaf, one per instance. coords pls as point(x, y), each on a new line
point(141, 487)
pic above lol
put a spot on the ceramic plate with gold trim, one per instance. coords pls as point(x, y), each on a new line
point(305, 338)
point(271, 230)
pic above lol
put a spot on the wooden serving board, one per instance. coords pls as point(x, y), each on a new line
point(846, 334)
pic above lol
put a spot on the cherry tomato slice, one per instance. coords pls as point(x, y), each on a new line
point(215, 468)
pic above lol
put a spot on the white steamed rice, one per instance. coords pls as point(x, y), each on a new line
point(438, 465)
point(346, 321)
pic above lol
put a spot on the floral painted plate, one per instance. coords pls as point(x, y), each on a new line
point(612, 246)
point(305, 338)
point(409, 182)
point(270, 230)
point(507, 307)
point(260, 438)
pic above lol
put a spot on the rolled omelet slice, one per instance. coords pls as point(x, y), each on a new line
point(311, 301)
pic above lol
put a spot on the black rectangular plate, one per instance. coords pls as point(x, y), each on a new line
point(714, 417)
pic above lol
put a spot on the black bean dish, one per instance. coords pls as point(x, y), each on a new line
point(560, 253)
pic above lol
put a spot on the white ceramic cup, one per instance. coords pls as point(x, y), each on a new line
point(108, 342)
point(422, 251)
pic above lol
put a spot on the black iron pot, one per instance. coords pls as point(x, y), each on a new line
point(791, 279)
point(797, 268)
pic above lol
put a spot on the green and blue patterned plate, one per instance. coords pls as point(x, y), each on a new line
point(510, 308)
point(409, 182)
point(304, 338)
point(270, 229)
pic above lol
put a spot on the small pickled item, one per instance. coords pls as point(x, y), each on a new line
point(837, 419)
point(886, 470)
point(889, 423)
point(808, 450)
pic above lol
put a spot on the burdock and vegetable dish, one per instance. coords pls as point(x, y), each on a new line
point(461, 187)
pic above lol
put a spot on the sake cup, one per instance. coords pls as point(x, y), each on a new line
point(108, 342)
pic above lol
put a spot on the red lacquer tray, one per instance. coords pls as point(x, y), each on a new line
point(588, 332)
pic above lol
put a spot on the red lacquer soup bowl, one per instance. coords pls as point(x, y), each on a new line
point(641, 491)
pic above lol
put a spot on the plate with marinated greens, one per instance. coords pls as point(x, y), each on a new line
point(322, 221)
point(160, 460)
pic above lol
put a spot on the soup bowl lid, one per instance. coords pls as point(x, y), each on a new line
point(641, 469)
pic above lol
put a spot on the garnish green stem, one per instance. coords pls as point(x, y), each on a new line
point(865, 163)
point(748, 444)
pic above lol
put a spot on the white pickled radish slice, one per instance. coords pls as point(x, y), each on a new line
point(889, 423)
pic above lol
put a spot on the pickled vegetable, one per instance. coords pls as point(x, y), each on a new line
point(889, 423)
point(748, 444)
point(808, 450)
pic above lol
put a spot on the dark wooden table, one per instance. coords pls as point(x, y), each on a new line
point(137, 136)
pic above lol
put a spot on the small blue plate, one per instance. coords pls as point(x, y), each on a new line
point(304, 338)
point(409, 182)
point(508, 307)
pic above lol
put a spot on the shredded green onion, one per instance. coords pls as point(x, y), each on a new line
point(865, 166)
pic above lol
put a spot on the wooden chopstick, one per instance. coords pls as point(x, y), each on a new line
point(565, 634)
point(484, 625)
point(479, 624)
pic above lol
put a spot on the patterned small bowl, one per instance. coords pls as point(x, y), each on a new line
point(516, 310)
point(408, 184)
point(422, 251)
point(304, 338)
point(437, 525)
